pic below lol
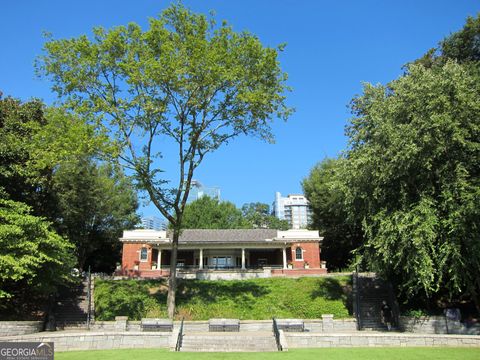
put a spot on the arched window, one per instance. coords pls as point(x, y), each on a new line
point(298, 253)
point(143, 254)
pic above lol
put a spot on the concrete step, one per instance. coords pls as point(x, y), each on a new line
point(228, 342)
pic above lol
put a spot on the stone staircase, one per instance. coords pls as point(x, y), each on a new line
point(372, 291)
point(71, 307)
point(229, 341)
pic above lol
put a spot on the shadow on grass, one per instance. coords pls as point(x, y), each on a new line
point(211, 292)
point(334, 289)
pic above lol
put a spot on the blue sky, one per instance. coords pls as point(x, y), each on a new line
point(332, 48)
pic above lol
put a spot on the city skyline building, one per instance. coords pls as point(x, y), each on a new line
point(153, 223)
point(294, 208)
point(198, 190)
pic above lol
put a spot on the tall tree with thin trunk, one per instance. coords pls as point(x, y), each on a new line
point(184, 81)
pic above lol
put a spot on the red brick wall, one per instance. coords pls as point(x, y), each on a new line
point(131, 255)
point(311, 254)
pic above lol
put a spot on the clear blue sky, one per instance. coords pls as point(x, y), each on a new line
point(332, 47)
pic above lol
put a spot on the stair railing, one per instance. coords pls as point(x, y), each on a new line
point(394, 305)
point(178, 346)
point(276, 332)
point(89, 297)
point(356, 306)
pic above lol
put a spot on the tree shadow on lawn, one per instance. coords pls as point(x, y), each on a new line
point(214, 291)
point(333, 289)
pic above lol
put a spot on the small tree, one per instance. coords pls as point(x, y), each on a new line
point(183, 79)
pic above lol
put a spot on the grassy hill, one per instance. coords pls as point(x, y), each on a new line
point(247, 299)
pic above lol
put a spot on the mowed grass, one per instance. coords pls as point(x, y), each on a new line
point(255, 299)
point(296, 354)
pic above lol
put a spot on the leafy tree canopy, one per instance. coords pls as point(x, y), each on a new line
point(462, 46)
point(34, 260)
point(208, 213)
point(342, 230)
point(49, 160)
point(96, 202)
point(260, 216)
point(414, 165)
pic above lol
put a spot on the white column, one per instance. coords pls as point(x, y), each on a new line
point(243, 259)
point(200, 260)
point(284, 253)
point(159, 259)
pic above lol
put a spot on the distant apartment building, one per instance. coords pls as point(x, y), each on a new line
point(153, 223)
point(197, 190)
point(294, 208)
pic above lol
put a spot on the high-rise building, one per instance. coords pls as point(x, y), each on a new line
point(294, 208)
point(197, 190)
point(154, 223)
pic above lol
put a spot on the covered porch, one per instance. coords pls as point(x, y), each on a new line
point(220, 259)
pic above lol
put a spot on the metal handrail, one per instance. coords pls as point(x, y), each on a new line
point(394, 305)
point(357, 300)
point(89, 297)
point(276, 332)
point(179, 337)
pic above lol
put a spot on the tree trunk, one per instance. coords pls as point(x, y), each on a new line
point(172, 281)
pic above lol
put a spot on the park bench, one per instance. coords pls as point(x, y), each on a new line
point(224, 325)
point(157, 325)
point(291, 325)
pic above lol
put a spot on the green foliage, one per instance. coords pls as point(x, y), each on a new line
point(49, 161)
point(461, 46)
point(18, 181)
point(34, 260)
point(417, 313)
point(259, 216)
point(414, 167)
point(96, 202)
point(184, 79)
point(341, 229)
point(208, 213)
point(246, 299)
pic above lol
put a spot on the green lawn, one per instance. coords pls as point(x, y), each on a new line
point(300, 354)
point(255, 299)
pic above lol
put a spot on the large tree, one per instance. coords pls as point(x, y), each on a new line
point(47, 161)
point(414, 164)
point(342, 229)
point(183, 81)
point(95, 202)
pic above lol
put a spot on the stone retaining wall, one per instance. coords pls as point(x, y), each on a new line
point(305, 340)
point(11, 328)
point(97, 340)
point(313, 325)
point(436, 325)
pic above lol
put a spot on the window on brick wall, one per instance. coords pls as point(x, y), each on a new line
point(298, 253)
point(143, 254)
